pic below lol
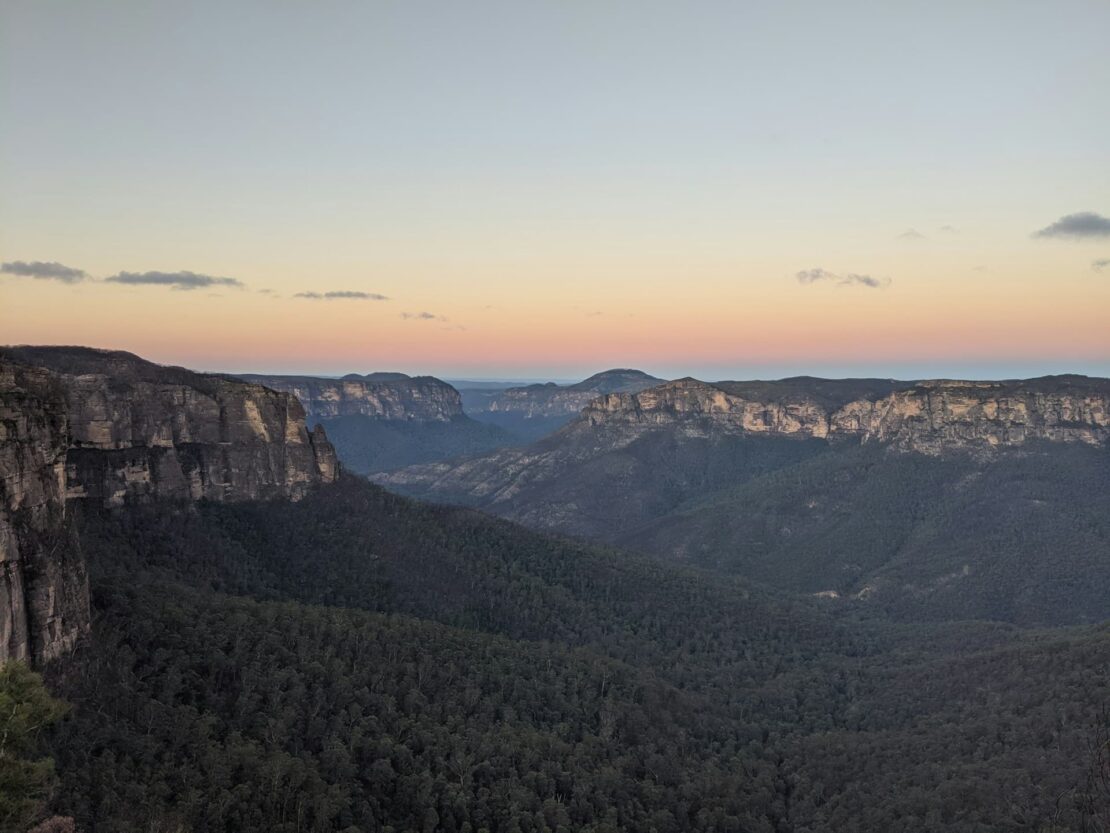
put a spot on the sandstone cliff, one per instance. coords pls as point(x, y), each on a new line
point(929, 417)
point(44, 603)
point(392, 396)
point(81, 424)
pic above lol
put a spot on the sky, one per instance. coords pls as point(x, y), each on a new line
point(546, 189)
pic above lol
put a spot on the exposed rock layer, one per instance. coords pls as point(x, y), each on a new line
point(928, 417)
point(107, 426)
point(393, 396)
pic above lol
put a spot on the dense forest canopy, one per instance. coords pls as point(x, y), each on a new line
point(359, 661)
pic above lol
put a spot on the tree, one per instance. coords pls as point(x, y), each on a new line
point(25, 780)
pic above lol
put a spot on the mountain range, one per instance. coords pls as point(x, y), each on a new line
point(532, 411)
point(935, 498)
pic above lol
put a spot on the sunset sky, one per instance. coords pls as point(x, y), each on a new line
point(543, 190)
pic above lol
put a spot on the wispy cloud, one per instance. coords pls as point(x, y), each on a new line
point(911, 234)
point(808, 276)
point(341, 295)
point(175, 280)
point(949, 229)
point(1100, 264)
point(50, 271)
point(1085, 225)
point(422, 316)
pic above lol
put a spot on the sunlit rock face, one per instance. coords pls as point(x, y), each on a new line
point(935, 416)
point(89, 425)
point(928, 417)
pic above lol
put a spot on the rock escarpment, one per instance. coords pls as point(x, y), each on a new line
point(929, 417)
point(108, 427)
point(392, 396)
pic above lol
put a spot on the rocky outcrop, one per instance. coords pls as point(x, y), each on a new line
point(934, 417)
point(392, 396)
point(44, 602)
point(110, 428)
point(699, 407)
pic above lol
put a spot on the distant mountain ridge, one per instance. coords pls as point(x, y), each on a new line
point(931, 416)
point(387, 420)
point(393, 396)
point(532, 411)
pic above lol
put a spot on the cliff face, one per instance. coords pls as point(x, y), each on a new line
point(79, 424)
point(929, 417)
point(44, 603)
point(937, 416)
point(392, 396)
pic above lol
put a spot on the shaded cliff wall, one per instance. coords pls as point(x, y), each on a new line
point(399, 397)
point(44, 602)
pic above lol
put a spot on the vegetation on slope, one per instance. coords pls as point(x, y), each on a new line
point(357, 661)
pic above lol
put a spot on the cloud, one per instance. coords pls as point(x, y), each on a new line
point(1100, 264)
point(808, 276)
point(44, 271)
point(949, 229)
point(1081, 226)
point(175, 280)
point(341, 295)
point(422, 316)
point(911, 234)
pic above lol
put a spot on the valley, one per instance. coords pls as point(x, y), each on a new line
point(257, 639)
